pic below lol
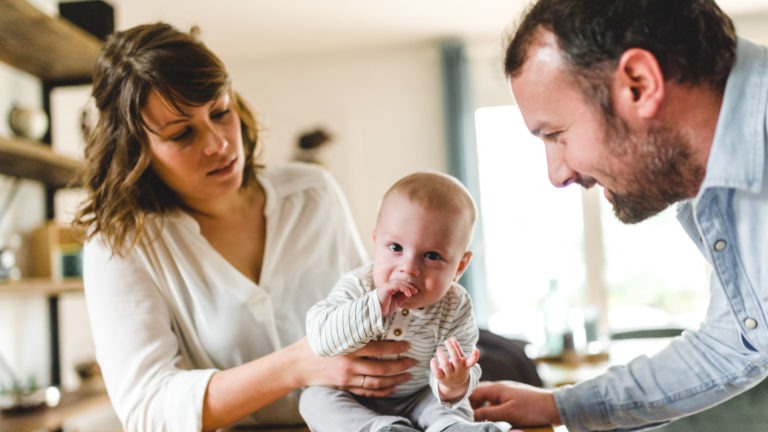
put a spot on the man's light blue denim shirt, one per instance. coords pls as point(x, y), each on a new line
point(728, 221)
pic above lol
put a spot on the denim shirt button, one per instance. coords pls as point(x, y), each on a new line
point(720, 245)
point(750, 323)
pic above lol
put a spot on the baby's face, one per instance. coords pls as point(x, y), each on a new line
point(424, 248)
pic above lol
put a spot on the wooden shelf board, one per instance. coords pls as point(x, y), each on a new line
point(50, 48)
point(32, 160)
point(45, 418)
point(41, 285)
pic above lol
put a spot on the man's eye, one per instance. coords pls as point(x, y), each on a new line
point(551, 137)
point(432, 256)
point(394, 247)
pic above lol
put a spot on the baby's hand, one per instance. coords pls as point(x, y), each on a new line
point(393, 294)
point(452, 370)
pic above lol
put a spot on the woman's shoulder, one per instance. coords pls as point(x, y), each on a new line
point(295, 177)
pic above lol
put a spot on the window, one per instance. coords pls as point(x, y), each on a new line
point(639, 275)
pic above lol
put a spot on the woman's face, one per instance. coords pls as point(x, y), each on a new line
point(198, 153)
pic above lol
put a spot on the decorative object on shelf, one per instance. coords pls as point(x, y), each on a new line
point(28, 122)
point(56, 251)
point(9, 246)
point(97, 17)
point(8, 268)
point(20, 397)
point(310, 144)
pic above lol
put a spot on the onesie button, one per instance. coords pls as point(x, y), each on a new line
point(750, 323)
point(720, 245)
point(398, 332)
point(405, 312)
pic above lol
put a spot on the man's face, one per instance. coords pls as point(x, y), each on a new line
point(642, 169)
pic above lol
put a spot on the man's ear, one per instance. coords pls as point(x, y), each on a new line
point(639, 84)
point(463, 264)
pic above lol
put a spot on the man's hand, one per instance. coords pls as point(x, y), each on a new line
point(516, 403)
point(393, 293)
point(452, 370)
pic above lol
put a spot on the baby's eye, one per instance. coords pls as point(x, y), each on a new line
point(394, 247)
point(432, 256)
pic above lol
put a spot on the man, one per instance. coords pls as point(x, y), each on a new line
point(659, 103)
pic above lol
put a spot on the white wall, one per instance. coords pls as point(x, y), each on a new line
point(384, 109)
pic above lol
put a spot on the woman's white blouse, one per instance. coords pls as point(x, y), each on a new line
point(174, 311)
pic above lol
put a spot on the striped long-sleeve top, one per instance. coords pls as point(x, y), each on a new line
point(351, 316)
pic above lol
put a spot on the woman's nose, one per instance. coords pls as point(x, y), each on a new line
point(215, 141)
point(560, 173)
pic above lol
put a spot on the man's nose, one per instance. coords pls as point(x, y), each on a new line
point(560, 173)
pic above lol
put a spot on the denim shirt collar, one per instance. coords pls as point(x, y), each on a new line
point(737, 157)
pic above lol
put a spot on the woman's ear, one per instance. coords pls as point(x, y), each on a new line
point(463, 264)
point(639, 84)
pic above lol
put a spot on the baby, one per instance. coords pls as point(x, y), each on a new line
point(409, 292)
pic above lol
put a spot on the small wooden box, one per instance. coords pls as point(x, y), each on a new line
point(56, 251)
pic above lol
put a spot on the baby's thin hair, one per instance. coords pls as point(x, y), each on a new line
point(436, 191)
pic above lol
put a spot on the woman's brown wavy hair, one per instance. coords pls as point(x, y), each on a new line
point(122, 189)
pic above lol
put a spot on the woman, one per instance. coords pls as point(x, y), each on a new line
point(199, 265)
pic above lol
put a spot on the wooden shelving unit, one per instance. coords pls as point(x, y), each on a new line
point(52, 49)
point(41, 286)
point(32, 160)
point(52, 418)
point(58, 53)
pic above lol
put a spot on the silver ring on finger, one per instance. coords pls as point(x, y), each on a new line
point(362, 381)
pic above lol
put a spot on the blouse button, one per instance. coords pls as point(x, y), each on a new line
point(750, 323)
point(720, 245)
point(405, 312)
point(397, 332)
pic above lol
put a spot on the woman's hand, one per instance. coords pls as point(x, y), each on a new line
point(364, 372)
point(516, 403)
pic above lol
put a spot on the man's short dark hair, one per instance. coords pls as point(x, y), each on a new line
point(694, 41)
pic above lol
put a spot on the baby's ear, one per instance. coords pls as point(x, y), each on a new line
point(463, 263)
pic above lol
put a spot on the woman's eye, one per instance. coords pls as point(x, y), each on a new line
point(220, 114)
point(394, 247)
point(181, 135)
point(432, 256)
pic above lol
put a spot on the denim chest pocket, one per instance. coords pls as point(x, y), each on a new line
point(747, 345)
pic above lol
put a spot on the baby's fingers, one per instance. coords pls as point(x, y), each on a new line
point(436, 371)
point(454, 350)
point(472, 359)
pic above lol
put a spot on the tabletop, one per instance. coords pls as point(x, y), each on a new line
point(304, 429)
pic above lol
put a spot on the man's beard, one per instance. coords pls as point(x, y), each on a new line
point(662, 170)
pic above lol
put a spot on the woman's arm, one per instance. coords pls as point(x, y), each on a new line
point(237, 392)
